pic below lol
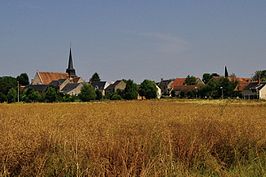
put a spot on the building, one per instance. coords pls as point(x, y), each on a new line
point(66, 82)
point(117, 85)
point(100, 85)
point(166, 86)
point(255, 90)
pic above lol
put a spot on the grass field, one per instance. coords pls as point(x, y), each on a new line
point(136, 138)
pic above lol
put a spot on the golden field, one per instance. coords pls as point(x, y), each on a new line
point(134, 138)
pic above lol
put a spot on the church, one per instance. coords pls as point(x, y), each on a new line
point(67, 82)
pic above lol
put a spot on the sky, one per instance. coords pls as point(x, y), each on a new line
point(133, 39)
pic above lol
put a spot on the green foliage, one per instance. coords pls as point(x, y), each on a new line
point(6, 83)
point(260, 75)
point(51, 95)
point(218, 86)
point(12, 95)
point(131, 91)
point(115, 96)
point(190, 80)
point(87, 93)
point(31, 95)
point(148, 89)
point(3, 97)
point(23, 79)
point(206, 77)
point(99, 95)
point(95, 78)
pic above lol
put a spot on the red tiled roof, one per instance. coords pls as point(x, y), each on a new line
point(242, 83)
point(48, 77)
point(178, 82)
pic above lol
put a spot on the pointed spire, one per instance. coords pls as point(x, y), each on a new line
point(225, 72)
point(70, 61)
point(70, 70)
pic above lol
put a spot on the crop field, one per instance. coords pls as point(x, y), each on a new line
point(134, 138)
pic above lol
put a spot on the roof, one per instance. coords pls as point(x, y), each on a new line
point(99, 85)
point(57, 83)
point(165, 82)
point(178, 82)
point(242, 83)
point(70, 86)
point(187, 88)
point(48, 77)
point(112, 86)
point(39, 88)
point(255, 86)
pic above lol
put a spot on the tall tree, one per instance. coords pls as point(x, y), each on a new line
point(206, 77)
point(260, 75)
point(148, 89)
point(6, 83)
point(95, 78)
point(225, 72)
point(87, 93)
point(51, 94)
point(23, 79)
point(131, 90)
point(12, 95)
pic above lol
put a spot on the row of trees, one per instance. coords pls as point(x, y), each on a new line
point(146, 89)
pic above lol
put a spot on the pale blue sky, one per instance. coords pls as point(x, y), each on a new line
point(137, 39)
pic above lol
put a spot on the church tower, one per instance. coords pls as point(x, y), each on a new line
point(70, 70)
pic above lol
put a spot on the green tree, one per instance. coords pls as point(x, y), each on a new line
point(206, 77)
point(95, 78)
point(190, 80)
point(99, 95)
point(23, 79)
point(6, 83)
point(51, 95)
point(148, 89)
point(131, 90)
point(87, 93)
point(115, 96)
point(12, 95)
point(260, 75)
point(3, 97)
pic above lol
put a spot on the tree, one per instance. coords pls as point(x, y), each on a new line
point(225, 72)
point(87, 93)
point(12, 95)
point(51, 94)
point(95, 78)
point(115, 96)
point(3, 97)
point(206, 77)
point(6, 83)
point(31, 95)
point(190, 80)
point(131, 90)
point(148, 89)
point(217, 87)
point(260, 75)
point(99, 95)
point(23, 79)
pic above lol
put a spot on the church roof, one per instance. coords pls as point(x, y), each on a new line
point(48, 77)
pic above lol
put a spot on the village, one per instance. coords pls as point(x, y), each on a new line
point(51, 86)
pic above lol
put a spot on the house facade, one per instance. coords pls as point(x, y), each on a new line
point(255, 90)
point(117, 85)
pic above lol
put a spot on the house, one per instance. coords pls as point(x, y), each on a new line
point(39, 88)
point(72, 89)
point(100, 85)
point(166, 86)
point(255, 90)
point(117, 85)
point(242, 83)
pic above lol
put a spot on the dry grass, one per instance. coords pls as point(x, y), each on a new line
point(138, 138)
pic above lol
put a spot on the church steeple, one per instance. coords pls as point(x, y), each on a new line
point(225, 72)
point(70, 70)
